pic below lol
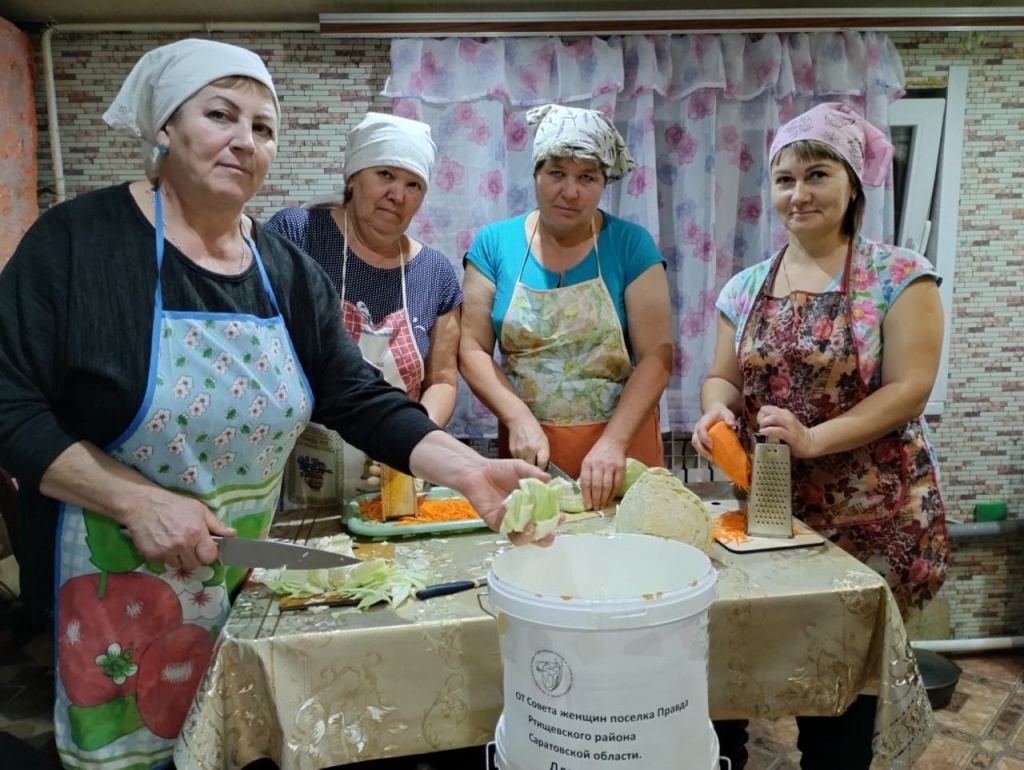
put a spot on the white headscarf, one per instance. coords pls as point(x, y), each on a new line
point(384, 140)
point(167, 77)
point(572, 132)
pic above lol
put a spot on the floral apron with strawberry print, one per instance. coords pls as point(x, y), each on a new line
point(879, 502)
point(225, 401)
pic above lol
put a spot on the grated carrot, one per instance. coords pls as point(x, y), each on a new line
point(731, 527)
point(429, 510)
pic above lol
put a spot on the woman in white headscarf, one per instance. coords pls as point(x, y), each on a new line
point(578, 302)
point(159, 354)
point(400, 298)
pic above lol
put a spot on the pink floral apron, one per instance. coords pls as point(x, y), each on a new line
point(566, 357)
point(225, 401)
point(879, 502)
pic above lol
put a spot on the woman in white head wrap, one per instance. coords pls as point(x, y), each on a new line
point(577, 300)
point(159, 354)
point(400, 298)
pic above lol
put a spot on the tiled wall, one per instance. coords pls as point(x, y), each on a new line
point(325, 87)
point(979, 438)
point(327, 84)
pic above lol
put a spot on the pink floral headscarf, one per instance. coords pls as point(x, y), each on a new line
point(865, 148)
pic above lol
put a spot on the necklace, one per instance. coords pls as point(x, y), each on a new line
point(206, 257)
point(242, 257)
point(785, 272)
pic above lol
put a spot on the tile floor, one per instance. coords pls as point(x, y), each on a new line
point(981, 729)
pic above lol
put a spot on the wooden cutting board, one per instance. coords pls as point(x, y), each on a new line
point(364, 551)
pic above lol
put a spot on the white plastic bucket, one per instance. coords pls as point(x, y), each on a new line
point(604, 644)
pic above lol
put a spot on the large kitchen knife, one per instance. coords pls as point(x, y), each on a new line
point(273, 554)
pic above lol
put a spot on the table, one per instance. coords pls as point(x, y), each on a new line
point(796, 632)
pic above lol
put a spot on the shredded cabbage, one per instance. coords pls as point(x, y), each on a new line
point(534, 502)
point(659, 504)
point(375, 580)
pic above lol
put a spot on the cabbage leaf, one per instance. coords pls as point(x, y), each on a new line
point(534, 502)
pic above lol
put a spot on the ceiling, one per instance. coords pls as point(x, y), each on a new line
point(34, 12)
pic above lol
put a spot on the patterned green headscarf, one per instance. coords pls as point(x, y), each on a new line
point(571, 132)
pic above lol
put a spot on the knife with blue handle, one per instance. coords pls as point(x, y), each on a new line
point(443, 589)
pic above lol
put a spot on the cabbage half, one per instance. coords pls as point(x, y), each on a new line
point(534, 502)
point(633, 470)
point(569, 500)
point(659, 504)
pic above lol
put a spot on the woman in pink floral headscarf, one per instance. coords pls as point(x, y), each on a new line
point(832, 346)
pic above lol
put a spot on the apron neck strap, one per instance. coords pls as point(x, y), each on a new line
point(344, 261)
point(158, 213)
point(158, 299)
point(529, 245)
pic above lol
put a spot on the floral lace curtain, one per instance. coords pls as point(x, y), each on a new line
point(698, 113)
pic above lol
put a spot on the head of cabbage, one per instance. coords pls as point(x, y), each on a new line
point(659, 504)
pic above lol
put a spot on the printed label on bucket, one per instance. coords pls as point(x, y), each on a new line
point(627, 698)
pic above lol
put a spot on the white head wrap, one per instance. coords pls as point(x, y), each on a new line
point(571, 132)
point(384, 140)
point(167, 77)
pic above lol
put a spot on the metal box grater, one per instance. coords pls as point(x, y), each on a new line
point(770, 502)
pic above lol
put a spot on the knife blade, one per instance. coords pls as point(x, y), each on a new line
point(443, 589)
point(558, 473)
point(273, 554)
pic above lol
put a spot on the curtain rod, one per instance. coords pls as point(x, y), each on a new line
point(660, 22)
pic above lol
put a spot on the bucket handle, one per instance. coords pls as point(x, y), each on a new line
point(486, 605)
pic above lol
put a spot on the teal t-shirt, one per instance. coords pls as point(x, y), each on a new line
point(626, 251)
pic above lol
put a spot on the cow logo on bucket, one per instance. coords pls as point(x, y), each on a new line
point(551, 673)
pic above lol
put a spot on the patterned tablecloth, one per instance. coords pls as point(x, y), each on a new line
point(800, 631)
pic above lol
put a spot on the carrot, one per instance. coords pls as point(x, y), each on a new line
point(728, 454)
point(429, 510)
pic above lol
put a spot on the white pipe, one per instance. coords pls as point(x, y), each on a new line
point(50, 87)
point(52, 125)
point(973, 529)
point(970, 645)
